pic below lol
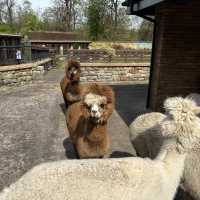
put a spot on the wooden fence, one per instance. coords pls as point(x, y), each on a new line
point(123, 56)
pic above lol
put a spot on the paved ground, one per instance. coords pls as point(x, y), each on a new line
point(33, 129)
point(30, 129)
point(130, 99)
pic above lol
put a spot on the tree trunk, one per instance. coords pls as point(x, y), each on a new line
point(74, 16)
point(116, 13)
point(68, 20)
point(70, 14)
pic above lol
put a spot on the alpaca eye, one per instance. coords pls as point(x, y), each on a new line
point(88, 107)
point(69, 68)
point(102, 105)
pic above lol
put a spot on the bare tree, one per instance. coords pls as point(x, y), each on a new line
point(2, 12)
point(115, 8)
point(10, 6)
point(64, 14)
point(78, 7)
point(68, 7)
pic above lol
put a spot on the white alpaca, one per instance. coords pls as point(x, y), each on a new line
point(191, 178)
point(147, 144)
point(123, 179)
point(143, 137)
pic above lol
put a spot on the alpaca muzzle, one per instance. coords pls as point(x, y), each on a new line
point(95, 113)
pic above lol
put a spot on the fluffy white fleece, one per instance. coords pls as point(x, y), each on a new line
point(147, 143)
point(143, 135)
point(123, 179)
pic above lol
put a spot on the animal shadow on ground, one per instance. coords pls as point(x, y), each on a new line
point(182, 195)
point(70, 152)
point(63, 108)
point(120, 154)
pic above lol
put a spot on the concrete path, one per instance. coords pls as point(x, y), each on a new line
point(33, 128)
point(131, 99)
point(30, 129)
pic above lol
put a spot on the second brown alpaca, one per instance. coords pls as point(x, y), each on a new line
point(70, 82)
point(87, 122)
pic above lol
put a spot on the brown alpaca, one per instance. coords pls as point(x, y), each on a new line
point(70, 82)
point(87, 122)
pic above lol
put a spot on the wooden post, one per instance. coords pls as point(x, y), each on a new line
point(4, 52)
point(27, 50)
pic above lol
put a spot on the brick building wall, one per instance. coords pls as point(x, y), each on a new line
point(176, 61)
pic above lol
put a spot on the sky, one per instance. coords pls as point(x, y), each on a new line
point(38, 4)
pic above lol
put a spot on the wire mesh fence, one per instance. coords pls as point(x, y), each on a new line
point(28, 54)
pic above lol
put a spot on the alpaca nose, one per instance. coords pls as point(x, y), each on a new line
point(94, 111)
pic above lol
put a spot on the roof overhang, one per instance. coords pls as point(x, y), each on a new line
point(141, 7)
point(10, 35)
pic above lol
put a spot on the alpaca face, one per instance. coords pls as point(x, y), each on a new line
point(181, 109)
point(95, 106)
point(182, 123)
point(73, 73)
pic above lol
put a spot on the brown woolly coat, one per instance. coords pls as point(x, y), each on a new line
point(70, 87)
point(90, 139)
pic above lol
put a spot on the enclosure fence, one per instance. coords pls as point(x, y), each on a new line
point(29, 54)
point(117, 56)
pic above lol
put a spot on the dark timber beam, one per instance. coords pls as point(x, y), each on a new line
point(144, 4)
point(141, 7)
point(151, 19)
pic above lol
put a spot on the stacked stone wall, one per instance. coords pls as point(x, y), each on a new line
point(24, 73)
point(115, 72)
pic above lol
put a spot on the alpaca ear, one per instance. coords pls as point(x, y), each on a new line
point(108, 93)
point(171, 103)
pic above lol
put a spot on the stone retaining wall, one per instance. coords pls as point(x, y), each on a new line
point(21, 74)
point(115, 72)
